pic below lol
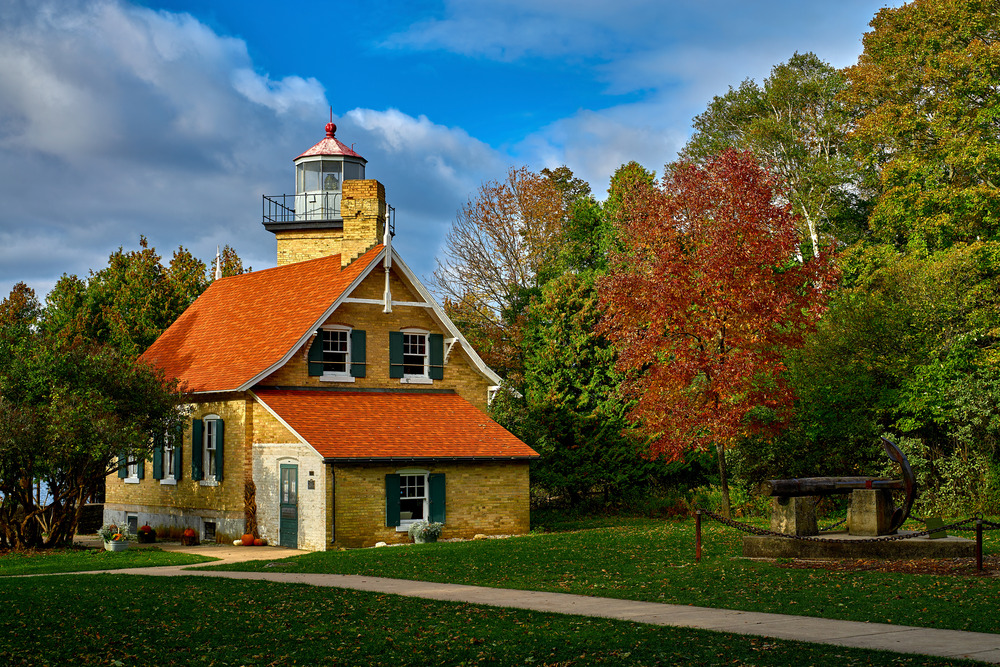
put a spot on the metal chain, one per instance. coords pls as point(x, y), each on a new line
point(832, 525)
point(987, 525)
point(747, 528)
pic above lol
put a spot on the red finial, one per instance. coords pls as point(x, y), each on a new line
point(330, 130)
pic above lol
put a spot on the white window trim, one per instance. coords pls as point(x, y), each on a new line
point(132, 476)
point(404, 524)
point(168, 470)
point(345, 376)
point(425, 377)
point(208, 480)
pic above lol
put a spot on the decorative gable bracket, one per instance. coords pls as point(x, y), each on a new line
point(450, 342)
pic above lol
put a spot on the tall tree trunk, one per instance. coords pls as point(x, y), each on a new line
point(720, 449)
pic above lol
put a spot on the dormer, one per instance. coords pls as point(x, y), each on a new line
point(334, 210)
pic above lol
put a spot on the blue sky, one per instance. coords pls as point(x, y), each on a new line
point(170, 119)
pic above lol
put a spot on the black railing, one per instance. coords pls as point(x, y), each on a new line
point(311, 207)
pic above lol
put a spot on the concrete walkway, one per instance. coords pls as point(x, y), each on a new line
point(980, 646)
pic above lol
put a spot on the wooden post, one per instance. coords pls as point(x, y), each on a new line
point(979, 545)
point(697, 536)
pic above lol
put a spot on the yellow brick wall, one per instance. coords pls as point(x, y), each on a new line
point(300, 245)
point(459, 374)
point(267, 429)
point(224, 501)
point(363, 209)
point(480, 497)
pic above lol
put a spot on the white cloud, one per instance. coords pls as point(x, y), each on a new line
point(118, 121)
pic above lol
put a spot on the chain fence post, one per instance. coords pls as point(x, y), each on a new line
point(979, 545)
point(697, 536)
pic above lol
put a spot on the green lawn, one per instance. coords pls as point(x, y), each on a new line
point(134, 620)
point(653, 560)
point(82, 560)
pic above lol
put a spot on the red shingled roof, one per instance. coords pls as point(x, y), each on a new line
point(330, 146)
point(403, 424)
point(242, 325)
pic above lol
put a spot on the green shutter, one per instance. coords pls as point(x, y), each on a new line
point(122, 466)
point(357, 353)
point(140, 469)
point(436, 344)
point(436, 483)
point(178, 448)
point(316, 355)
point(220, 438)
point(395, 354)
point(158, 456)
point(392, 500)
point(196, 444)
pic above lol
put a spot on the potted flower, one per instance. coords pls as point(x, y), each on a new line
point(146, 535)
point(115, 538)
point(423, 531)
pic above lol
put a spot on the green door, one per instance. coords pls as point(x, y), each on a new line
point(288, 511)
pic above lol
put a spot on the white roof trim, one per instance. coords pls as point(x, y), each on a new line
point(316, 325)
point(445, 321)
point(285, 424)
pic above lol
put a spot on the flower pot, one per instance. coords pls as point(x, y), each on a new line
point(115, 546)
point(424, 540)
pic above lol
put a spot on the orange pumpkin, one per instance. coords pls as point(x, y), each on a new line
point(258, 542)
point(248, 540)
point(189, 532)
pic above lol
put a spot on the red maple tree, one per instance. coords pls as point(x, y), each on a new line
point(702, 301)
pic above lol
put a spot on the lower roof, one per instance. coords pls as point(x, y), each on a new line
point(373, 425)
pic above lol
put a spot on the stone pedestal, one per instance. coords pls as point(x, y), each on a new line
point(870, 512)
point(794, 516)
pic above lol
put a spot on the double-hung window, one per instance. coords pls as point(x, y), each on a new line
point(414, 495)
point(167, 457)
point(133, 471)
point(414, 355)
point(207, 453)
point(337, 354)
point(412, 498)
point(168, 462)
point(210, 444)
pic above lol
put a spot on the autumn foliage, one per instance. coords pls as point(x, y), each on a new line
point(704, 299)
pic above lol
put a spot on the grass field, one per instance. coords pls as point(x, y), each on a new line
point(83, 560)
point(652, 560)
point(120, 620)
point(134, 620)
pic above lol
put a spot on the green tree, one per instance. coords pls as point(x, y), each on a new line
point(909, 346)
point(928, 127)
point(68, 411)
point(797, 127)
point(131, 301)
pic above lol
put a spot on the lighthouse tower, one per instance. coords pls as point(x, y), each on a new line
point(334, 210)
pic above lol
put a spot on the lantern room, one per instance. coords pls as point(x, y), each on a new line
point(320, 173)
point(319, 176)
